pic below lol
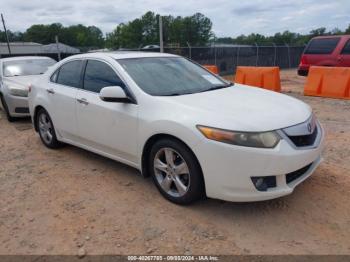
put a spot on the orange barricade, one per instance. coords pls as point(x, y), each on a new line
point(212, 68)
point(263, 77)
point(333, 82)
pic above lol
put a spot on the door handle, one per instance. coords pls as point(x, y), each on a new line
point(50, 91)
point(83, 101)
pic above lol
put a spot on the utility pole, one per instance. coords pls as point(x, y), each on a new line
point(189, 49)
point(7, 37)
point(58, 48)
point(161, 43)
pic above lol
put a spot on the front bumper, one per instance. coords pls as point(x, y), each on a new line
point(17, 105)
point(228, 169)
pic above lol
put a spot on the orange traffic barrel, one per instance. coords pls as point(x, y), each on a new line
point(212, 68)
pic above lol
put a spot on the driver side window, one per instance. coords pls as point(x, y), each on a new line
point(99, 75)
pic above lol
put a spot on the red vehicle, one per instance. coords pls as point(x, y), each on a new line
point(326, 51)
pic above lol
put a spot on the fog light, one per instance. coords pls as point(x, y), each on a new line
point(264, 183)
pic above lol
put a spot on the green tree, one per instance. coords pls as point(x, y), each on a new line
point(196, 30)
point(347, 31)
point(76, 35)
point(13, 36)
point(318, 32)
point(43, 34)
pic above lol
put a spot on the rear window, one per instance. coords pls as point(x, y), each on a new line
point(346, 50)
point(322, 46)
point(27, 67)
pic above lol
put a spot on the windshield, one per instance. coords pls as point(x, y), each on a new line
point(27, 67)
point(170, 76)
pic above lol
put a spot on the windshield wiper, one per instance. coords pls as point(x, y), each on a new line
point(174, 94)
point(210, 89)
point(218, 87)
point(178, 94)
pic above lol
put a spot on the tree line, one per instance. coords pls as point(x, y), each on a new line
point(285, 38)
point(195, 30)
point(75, 35)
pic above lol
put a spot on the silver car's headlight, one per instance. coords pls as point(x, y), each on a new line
point(247, 139)
point(18, 91)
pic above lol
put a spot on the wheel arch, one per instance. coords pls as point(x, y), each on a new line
point(151, 141)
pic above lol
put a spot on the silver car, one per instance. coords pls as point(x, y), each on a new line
point(16, 75)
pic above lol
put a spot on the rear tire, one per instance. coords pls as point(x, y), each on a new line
point(6, 109)
point(47, 130)
point(176, 172)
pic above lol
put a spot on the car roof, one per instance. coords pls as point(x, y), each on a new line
point(331, 36)
point(124, 54)
point(18, 58)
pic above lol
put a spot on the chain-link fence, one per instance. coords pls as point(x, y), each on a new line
point(225, 58)
point(228, 58)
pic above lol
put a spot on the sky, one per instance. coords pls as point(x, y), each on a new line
point(229, 17)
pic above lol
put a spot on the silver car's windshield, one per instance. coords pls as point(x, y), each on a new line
point(27, 67)
point(170, 76)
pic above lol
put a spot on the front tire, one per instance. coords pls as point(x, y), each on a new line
point(47, 130)
point(176, 172)
point(6, 109)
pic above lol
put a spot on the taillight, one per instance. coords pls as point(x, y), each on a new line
point(303, 60)
point(30, 88)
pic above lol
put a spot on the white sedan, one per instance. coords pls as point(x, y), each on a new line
point(194, 133)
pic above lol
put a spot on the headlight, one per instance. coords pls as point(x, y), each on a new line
point(247, 139)
point(18, 91)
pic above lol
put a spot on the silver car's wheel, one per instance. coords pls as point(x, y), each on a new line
point(172, 172)
point(6, 109)
point(45, 128)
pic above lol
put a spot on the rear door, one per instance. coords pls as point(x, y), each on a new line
point(107, 127)
point(62, 90)
point(344, 58)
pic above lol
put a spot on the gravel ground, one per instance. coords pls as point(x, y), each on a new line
point(72, 201)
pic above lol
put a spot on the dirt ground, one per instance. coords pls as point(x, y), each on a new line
point(71, 200)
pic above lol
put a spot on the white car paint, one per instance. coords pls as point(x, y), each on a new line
point(120, 131)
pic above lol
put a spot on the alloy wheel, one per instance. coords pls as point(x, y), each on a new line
point(172, 172)
point(45, 128)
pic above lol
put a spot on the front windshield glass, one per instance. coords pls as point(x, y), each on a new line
point(170, 76)
point(27, 67)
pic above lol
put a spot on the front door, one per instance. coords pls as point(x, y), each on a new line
point(106, 126)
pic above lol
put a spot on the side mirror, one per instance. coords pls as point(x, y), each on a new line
point(114, 94)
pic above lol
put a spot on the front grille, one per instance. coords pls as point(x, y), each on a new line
point(306, 140)
point(296, 174)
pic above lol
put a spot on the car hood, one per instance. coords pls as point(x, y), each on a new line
point(20, 81)
point(243, 108)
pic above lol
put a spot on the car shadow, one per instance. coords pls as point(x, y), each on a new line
point(205, 205)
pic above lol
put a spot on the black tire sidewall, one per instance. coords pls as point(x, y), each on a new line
point(196, 189)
